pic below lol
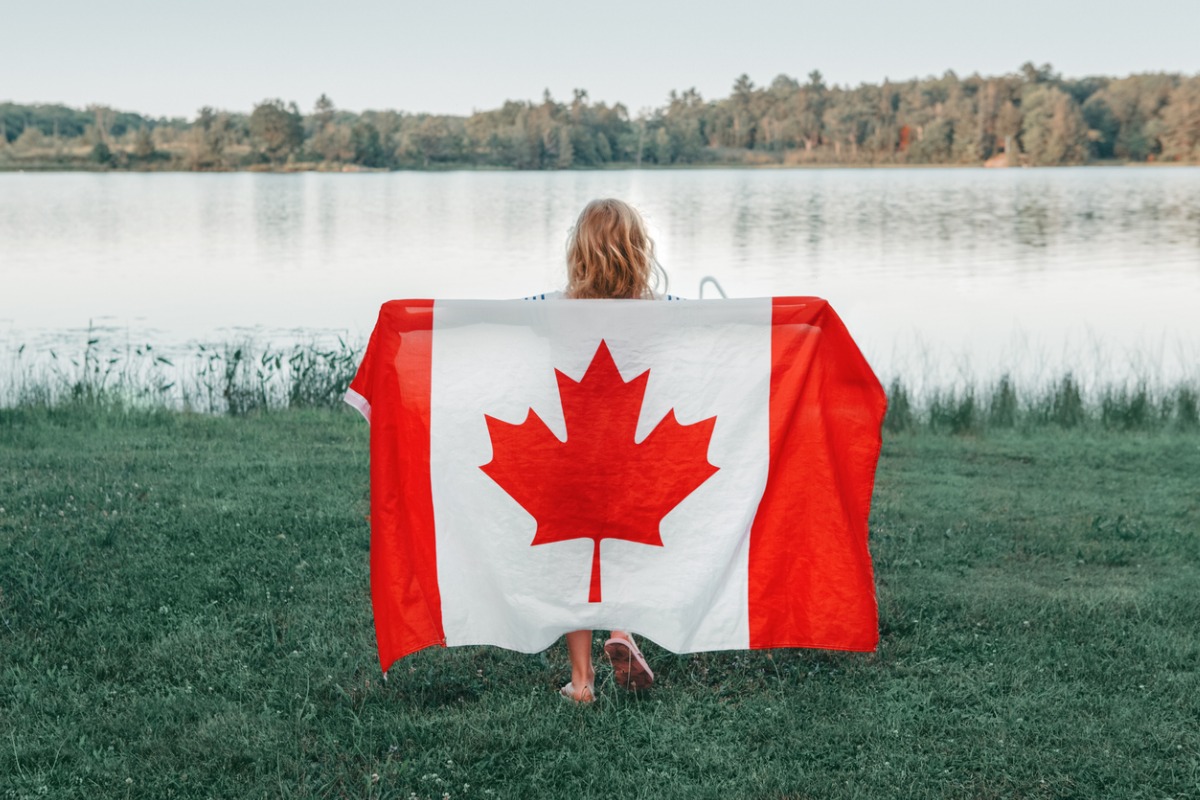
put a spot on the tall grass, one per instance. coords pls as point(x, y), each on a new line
point(232, 378)
point(1062, 403)
point(239, 378)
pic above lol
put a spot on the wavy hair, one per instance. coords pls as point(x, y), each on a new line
point(610, 254)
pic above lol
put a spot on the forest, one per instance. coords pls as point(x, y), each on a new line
point(1030, 117)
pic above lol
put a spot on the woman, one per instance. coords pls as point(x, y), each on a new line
point(609, 255)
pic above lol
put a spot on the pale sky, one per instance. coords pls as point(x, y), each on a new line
point(454, 57)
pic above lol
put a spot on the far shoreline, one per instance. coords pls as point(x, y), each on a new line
point(351, 169)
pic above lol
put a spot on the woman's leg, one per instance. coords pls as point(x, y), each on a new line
point(579, 649)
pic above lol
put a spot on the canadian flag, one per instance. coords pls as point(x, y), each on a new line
point(699, 473)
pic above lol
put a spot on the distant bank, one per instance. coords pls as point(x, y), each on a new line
point(1030, 117)
point(168, 165)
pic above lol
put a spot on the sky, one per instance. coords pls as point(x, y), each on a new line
point(169, 59)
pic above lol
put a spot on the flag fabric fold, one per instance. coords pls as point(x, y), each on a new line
point(697, 473)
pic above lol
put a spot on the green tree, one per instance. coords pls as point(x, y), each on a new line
point(935, 143)
point(1008, 127)
point(103, 120)
point(810, 111)
point(1181, 122)
point(322, 111)
point(206, 140)
point(972, 141)
point(499, 137)
point(101, 154)
point(1103, 126)
point(848, 121)
point(143, 143)
point(1036, 75)
point(684, 125)
point(436, 140)
point(779, 124)
point(327, 139)
point(277, 130)
point(31, 138)
point(566, 150)
point(1135, 104)
point(663, 150)
point(1053, 131)
point(367, 145)
point(742, 114)
point(595, 131)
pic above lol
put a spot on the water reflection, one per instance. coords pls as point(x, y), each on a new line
point(963, 265)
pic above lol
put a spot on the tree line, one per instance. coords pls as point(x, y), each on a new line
point(1033, 116)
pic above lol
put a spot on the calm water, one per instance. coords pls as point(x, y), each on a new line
point(940, 274)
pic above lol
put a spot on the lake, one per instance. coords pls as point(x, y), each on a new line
point(942, 275)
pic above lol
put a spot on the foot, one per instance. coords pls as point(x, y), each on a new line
point(630, 669)
point(584, 694)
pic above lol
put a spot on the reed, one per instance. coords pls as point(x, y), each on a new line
point(234, 378)
point(244, 377)
point(1062, 403)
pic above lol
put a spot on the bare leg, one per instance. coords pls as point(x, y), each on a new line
point(579, 649)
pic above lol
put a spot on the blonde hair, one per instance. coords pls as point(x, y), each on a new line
point(610, 254)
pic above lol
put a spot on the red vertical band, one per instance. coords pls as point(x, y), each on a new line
point(810, 575)
point(404, 586)
point(594, 588)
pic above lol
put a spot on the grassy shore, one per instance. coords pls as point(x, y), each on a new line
point(246, 377)
point(184, 612)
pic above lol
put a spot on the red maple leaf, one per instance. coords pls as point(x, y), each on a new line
point(599, 483)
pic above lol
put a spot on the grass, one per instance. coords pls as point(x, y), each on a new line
point(230, 378)
point(239, 378)
point(1062, 404)
point(184, 612)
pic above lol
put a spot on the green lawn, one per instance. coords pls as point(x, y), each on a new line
point(184, 612)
